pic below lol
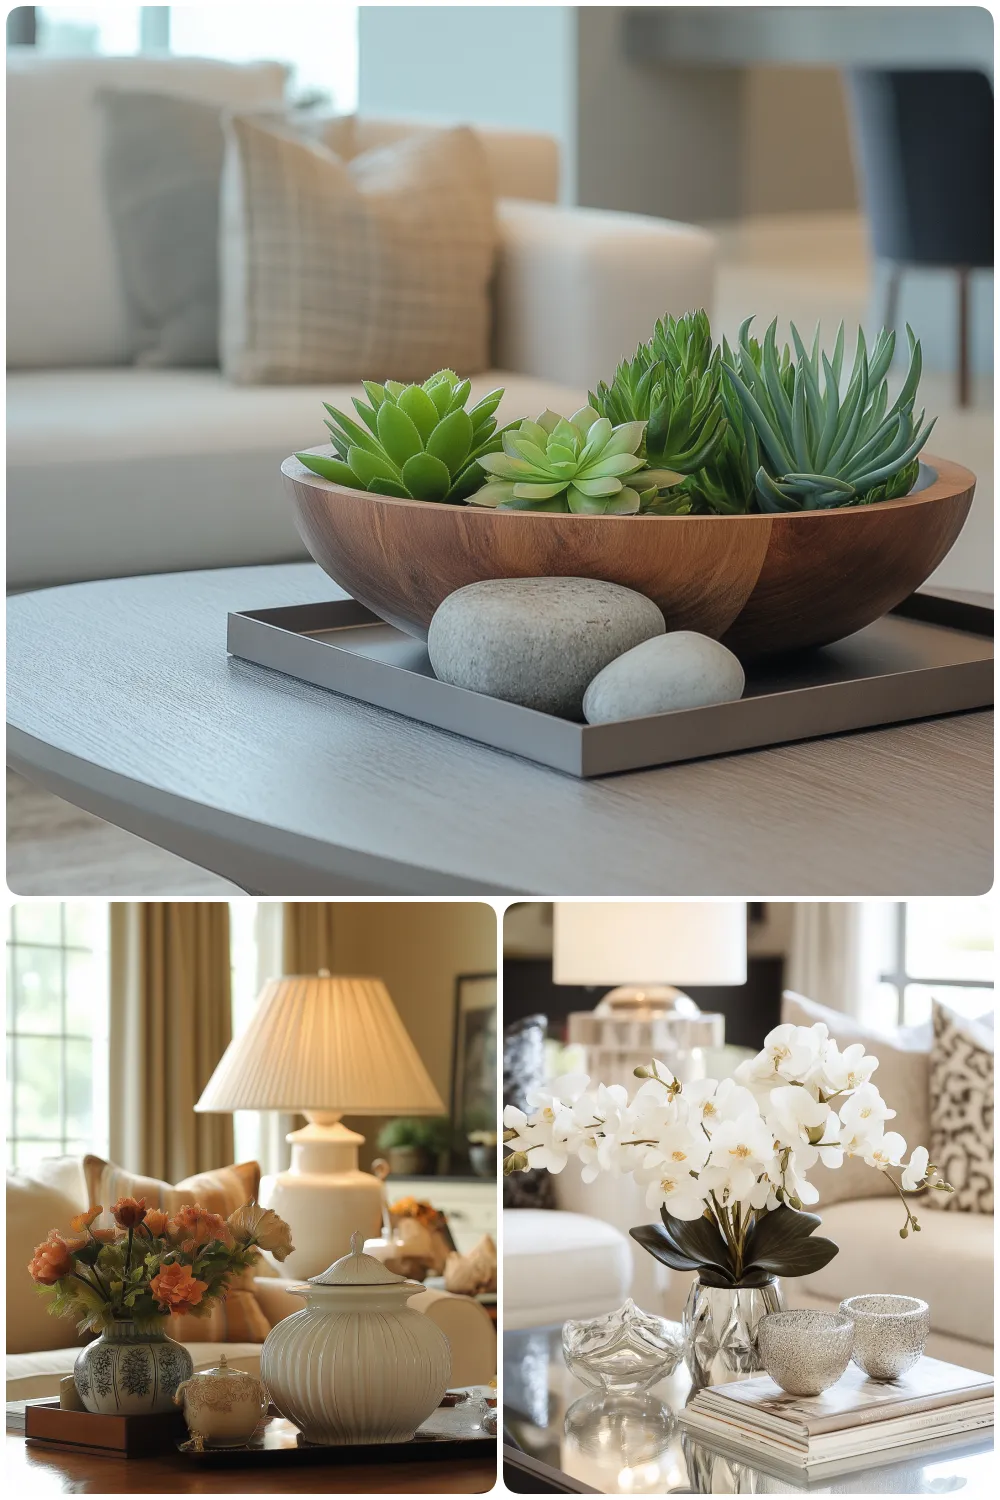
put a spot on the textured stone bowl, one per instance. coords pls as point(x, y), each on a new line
point(889, 1332)
point(759, 583)
point(805, 1351)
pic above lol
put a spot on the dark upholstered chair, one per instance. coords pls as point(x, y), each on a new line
point(924, 146)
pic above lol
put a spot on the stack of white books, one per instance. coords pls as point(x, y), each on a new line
point(856, 1419)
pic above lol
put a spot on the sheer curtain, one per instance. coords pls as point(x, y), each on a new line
point(838, 950)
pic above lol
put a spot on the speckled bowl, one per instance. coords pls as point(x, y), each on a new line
point(805, 1351)
point(889, 1332)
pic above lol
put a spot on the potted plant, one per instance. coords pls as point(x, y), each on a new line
point(127, 1281)
point(724, 1164)
point(741, 489)
point(483, 1152)
point(415, 1147)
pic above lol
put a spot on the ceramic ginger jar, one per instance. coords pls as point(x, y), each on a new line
point(356, 1365)
point(222, 1406)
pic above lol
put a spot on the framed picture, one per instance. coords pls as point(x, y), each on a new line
point(474, 1068)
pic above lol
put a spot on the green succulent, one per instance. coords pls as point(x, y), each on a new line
point(576, 464)
point(823, 451)
point(673, 384)
point(417, 441)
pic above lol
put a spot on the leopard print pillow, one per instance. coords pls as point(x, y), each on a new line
point(961, 1087)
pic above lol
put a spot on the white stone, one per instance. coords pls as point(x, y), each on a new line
point(537, 641)
point(680, 670)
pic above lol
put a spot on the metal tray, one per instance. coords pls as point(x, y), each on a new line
point(931, 655)
point(448, 1433)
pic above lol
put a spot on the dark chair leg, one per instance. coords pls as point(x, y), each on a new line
point(892, 297)
point(964, 374)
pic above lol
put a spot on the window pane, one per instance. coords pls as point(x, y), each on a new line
point(79, 1100)
point(37, 922)
point(318, 42)
point(969, 1002)
point(86, 994)
point(10, 1085)
point(949, 939)
point(38, 988)
point(84, 921)
point(37, 1091)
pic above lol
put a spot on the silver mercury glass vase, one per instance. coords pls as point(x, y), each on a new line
point(720, 1329)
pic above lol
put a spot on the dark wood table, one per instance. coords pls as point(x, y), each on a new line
point(35, 1469)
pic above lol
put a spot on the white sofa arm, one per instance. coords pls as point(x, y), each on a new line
point(578, 288)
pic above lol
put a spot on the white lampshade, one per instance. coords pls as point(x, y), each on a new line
point(323, 1043)
point(650, 942)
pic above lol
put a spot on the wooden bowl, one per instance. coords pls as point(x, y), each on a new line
point(759, 583)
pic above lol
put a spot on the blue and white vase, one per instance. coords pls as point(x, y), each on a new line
point(125, 1373)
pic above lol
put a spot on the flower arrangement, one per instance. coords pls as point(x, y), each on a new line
point(151, 1265)
point(684, 427)
point(726, 1162)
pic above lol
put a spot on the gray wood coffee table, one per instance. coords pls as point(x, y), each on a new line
point(122, 700)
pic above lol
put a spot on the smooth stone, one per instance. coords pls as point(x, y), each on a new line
point(537, 641)
point(679, 670)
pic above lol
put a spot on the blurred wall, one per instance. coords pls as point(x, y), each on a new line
point(418, 948)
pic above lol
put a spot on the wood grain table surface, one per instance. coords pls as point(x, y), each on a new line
point(122, 700)
point(34, 1469)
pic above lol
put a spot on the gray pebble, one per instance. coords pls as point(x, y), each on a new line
point(679, 670)
point(537, 641)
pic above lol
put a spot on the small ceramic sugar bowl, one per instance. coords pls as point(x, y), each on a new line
point(222, 1406)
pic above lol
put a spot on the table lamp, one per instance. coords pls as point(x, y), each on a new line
point(323, 1045)
point(637, 945)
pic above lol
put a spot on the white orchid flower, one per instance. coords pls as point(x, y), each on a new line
point(865, 1111)
point(742, 1151)
point(888, 1151)
point(669, 1185)
point(558, 1092)
point(790, 1052)
point(536, 1139)
point(915, 1172)
point(795, 1116)
point(843, 1071)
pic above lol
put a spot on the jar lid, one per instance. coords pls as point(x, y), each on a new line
point(222, 1368)
point(359, 1269)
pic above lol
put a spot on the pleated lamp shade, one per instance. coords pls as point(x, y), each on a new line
point(320, 1042)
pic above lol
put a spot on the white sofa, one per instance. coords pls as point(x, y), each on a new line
point(42, 1349)
point(114, 469)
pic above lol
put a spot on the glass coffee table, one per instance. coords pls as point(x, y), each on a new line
point(562, 1438)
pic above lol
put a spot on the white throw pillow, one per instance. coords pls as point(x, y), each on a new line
point(65, 304)
point(34, 1207)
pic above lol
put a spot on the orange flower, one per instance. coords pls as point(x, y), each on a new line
point(156, 1221)
point(177, 1289)
point(195, 1226)
point(129, 1212)
point(82, 1222)
point(51, 1260)
point(106, 1236)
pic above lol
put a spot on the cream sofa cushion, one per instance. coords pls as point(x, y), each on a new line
point(902, 1078)
point(34, 1206)
point(376, 268)
point(65, 301)
point(949, 1263)
point(39, 1374)
point(121, 471)
point(539, 1245)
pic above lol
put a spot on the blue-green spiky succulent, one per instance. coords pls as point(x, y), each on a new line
point(819, 450)
point(418, 441)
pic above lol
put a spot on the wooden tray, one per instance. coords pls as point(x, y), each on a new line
point(931, 655)
point(45, 1421)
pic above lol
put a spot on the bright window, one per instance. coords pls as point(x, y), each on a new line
point(57, 1029)
point(76, 30)
point(255, 938)
point(943, 949)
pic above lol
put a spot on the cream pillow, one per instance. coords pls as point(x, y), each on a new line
point(902, 1078)
point(375, 268)
point(34, 1207)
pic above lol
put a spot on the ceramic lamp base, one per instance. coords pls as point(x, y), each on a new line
point(323, 1196)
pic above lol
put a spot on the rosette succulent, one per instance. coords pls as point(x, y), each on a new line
point(578, 464)
point(416, 441)
point(819, 450)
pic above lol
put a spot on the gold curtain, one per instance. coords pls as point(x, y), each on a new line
point(308, 936)
point(171, 1021)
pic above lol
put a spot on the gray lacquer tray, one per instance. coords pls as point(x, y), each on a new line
point(931, 655)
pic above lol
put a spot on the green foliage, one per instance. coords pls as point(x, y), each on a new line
point(818, 450)
point(416, 441)
point(673, 384)
point(779, 1243)
point(576, 464)
point(434, 1134)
